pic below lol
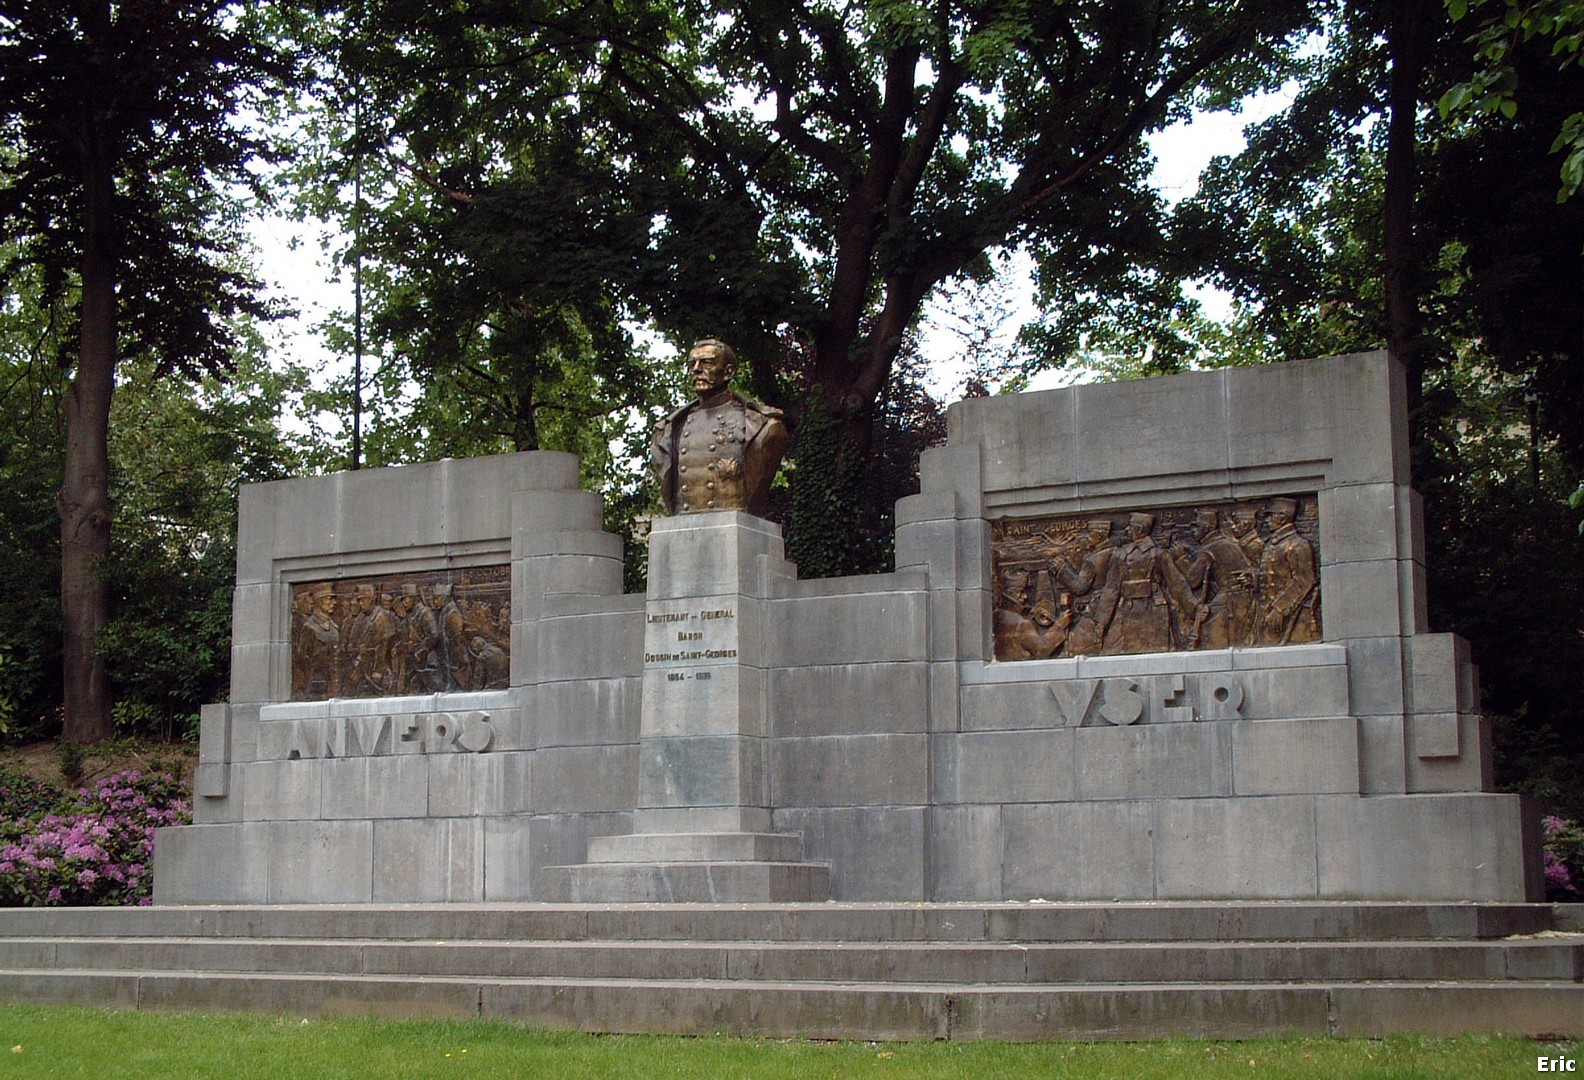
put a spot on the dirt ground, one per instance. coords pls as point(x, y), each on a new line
point(42, 759)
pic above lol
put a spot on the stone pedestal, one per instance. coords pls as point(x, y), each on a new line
point(701, 825)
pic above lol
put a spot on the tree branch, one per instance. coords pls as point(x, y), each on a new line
point(931, 123)
point(790, 127)
point(711, 147)
point(788, 124)
point(846, 76)
point(1132, 126)
point(428, 180)
point(858, 231)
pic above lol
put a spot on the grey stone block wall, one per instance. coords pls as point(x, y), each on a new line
point(885, 698)
point(1469, 845)
point(866, 718)
point(1288, 847)
point(875, 852)
point(417, 815)
point(1383, 709)
point(432, 860)
point(212, 864)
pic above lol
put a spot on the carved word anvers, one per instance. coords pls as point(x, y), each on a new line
point(1154, 699)
point(380, 735)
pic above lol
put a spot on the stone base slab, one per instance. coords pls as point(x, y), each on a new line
point(687, 882)
point(1468, 846)
point(857, 1012)
point(1286, 847)
point(696, 847)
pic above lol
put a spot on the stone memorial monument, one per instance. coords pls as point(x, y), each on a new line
point(1151, 640)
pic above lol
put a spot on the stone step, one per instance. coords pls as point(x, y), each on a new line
point(872, 971)
point(688, 882)
point(1553, 959)
point(828, 922)
point(865, 1010)
point(696, 847)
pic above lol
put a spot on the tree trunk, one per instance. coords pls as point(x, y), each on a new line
point(85, 493)
point(525, 420)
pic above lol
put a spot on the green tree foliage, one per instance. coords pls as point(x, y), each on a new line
point(1299, 228)
point(1501, 31)
point(757, 170)
point(476, 340)
point(1506, 570)
point(1490, 200)
point(180, 451)
point(847, 505)
point(1295, 226)
point(31, 384)
point(1508, 38)
point(120, 116)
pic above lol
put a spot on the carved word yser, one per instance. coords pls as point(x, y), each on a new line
point(1154, 699)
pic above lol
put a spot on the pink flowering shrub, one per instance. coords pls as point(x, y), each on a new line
point(1564, 859)
point(98, 848)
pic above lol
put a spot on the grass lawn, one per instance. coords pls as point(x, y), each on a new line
point(94, 1044)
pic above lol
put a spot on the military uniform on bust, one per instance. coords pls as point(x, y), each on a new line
point(721, 451)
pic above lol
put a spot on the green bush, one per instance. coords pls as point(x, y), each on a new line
point(24, 799)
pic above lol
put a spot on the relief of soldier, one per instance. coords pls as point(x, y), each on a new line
point(1214, 577)
point(405, 634)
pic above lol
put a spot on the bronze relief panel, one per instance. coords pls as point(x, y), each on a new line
point(1194, 577)
point(397, 634)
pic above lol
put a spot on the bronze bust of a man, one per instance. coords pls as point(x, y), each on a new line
point(721, 451)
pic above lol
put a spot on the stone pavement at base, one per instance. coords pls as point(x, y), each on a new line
point(1016, 971)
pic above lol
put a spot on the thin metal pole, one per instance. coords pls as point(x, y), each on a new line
point(357, 277)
